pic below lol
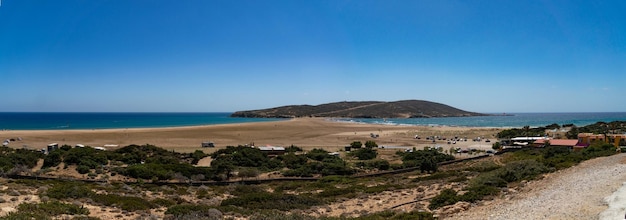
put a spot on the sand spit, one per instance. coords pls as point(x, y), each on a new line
point(303, 132)
point(575, 193)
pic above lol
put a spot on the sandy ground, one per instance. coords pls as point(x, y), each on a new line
point(307, 133)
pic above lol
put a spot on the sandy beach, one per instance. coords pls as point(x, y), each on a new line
point(307, 133)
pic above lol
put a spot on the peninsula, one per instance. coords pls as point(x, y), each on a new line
point(364, 109)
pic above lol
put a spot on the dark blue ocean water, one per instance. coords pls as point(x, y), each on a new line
point(63, 121)
point(516, 120)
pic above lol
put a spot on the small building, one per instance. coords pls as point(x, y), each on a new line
point(519, 142)
point(272, 151)
point(587, 139)
point(100, 148)
point(618, 140)
point(569, 143)
point(208, 144)
point(52, 147)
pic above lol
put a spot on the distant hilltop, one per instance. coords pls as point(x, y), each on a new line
point(367, 109)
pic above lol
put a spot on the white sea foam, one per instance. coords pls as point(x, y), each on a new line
point(617, 205)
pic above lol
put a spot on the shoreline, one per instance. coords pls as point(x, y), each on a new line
point(302, 132)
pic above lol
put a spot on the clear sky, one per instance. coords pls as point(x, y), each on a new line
point(212, 55)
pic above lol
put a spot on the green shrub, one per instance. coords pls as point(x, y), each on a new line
point(356, 144)
point(445, 197)
point(53, 208)
point(374, 164)
point(264, 200)
point(348, 192)
point(439, 175)
point(163, 202)
point(521, 170)
point(364, 153)
point(64, 190)
point(318, 154)
point(475, 193)
point(293, 149)
point(371, 144)
point(82, 169)
point(53, 159)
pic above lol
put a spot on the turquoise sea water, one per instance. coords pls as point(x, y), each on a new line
point(516, 120)
point(62, 121)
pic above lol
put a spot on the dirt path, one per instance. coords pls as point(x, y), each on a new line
point(575, 193)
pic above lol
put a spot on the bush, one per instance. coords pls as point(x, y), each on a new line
point(521, 170)
point(318, 154)
point(374, 164)
point(371, 144)
point(293, 161)
point(356, 144)
point(64, 190)
point(364, 153)
point(53, 159)
point(445, 197)
point(476, 193)
point(424, 158)
point(82, 169)
point(264, 200)
point(45, 210)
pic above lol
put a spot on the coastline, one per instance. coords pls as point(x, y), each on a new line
point(303, 132)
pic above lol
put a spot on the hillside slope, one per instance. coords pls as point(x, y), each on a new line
point(368, 109)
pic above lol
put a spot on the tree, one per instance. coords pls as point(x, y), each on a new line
point(293, 161)
point(371, 144)
point(496, 146)
point(364, 153)
point(428, 165)
point(356, 144)
point(223, 167)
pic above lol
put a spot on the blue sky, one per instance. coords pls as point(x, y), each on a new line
point(207, 56)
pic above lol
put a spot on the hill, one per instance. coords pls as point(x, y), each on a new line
point(368, 109)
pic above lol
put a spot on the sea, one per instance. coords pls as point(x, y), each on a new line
point(73, 120)
point(508, 120)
